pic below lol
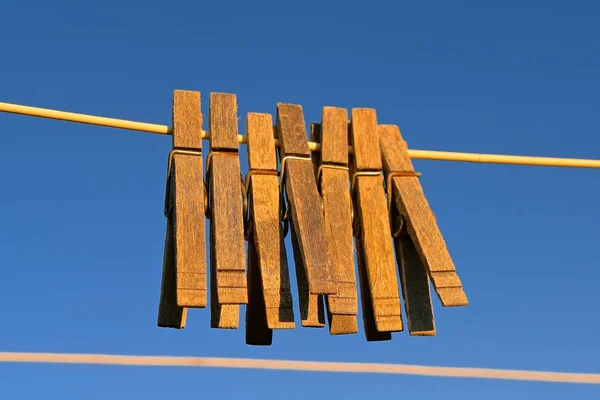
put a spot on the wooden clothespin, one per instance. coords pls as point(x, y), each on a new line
point(428, 245)
point(313, 266)
point(377, 268)
point(413, 275)
point(331, 165)
point(270, 303)
point(225, 187)
point(184, 264)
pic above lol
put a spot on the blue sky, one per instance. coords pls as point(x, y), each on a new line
point(83, 229)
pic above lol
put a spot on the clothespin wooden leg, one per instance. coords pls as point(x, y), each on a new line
point(332, 178)
point(228, 269)
point(312, 314)
point(376, 249)
point(413, 274)
point(184, 264)
point(368, 313)
point(419, 219)
point(258, 332)
point(270, 299)
point(170, 315)
point(415, 287)
point(307, 223)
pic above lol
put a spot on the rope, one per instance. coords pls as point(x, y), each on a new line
point(313, 146)
point(312, 366)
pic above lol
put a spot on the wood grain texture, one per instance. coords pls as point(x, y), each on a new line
point(170, 315)
point(227, 230)
point(188, 230)
point(290, 121)
point(375, 233)
point(184, 264)
point(222, 316)
point(262, 153)
point(223, 122)
point(376, 246)
point(342, 306)
point(366, 149)
point(311, 306)
point(188, 213)
point(421, 223)
point(272, 258)
point(334, 136)
point(228, 261)
point(415, 288)
point(413, 274)
point(368, 316)
point(187, 120)
point(267, 238)
point(312, 314)
point(305, 202)
point(258, 332)
point(332, 133)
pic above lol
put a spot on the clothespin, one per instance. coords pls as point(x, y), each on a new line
point(270, 303)
point(420, 224)
point(184, 264)
point(304, 210)
point(413, 275)
point(332, 179)
point(225, 188)
point(377, 268)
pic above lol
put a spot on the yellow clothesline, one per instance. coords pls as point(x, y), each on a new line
point(314, 146)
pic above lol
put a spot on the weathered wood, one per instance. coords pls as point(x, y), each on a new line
point(188, 229)
point(421, 224)
point(184, 264)
point(228, 269)
point(305, 201)
point(266, 239)
point(332, 133)
point(371, 210)
point(187, 120)
point(413, 274)
point(415, 288)
point(312, 314)
point(223, 316)
point(366, 155)
point(223, 122)
point(369, 323)
point(262, 154)
point(291, 131)
point(170, 315)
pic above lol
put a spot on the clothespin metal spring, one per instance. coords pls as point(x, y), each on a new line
point(399, 223)
point(355, 224)
point(285, 204)
point(320, 174)
point(328, 166)
point(172, 153)
point(207, 208)
point(247, 182)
